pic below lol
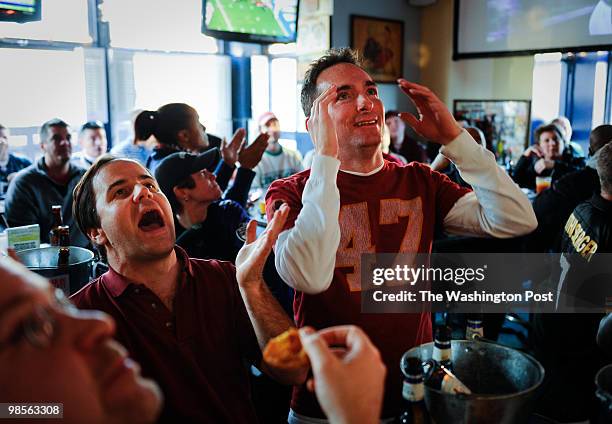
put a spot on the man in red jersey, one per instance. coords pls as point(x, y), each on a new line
point(352, 202)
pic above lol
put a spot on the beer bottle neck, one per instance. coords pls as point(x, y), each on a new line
point(413, 390)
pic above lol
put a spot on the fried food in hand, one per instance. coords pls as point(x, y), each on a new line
point(285, 351)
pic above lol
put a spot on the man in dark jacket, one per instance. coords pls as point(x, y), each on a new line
point(10, 164)
point(48, 182)
point(210, 222)
point(566, 343)
point(553, 206)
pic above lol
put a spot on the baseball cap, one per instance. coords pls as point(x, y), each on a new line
point(178, 166)
point(92, 125)
point(265, 117)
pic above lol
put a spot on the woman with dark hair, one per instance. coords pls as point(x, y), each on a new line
point(177, 127)
point(549, 156)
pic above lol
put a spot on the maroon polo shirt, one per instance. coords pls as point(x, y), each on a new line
point(199, 353)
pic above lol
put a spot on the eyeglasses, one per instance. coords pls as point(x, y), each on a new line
point(41, 326)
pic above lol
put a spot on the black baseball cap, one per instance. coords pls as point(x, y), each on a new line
point(178, 166)
point(92, 125)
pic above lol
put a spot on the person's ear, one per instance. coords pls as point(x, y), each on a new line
point(182, 137)
point(97, 236)
point(181, 193)
point(307, 119)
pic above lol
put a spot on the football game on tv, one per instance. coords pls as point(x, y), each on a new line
point(261, 21)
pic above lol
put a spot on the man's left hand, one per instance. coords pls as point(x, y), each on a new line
point(252, 257)
point(229, 151)
point(435, 122)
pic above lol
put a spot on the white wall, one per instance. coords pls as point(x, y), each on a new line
point(389, 9)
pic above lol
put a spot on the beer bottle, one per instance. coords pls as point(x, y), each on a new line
point(438, 373)
point(414, 410)
point(440, 378)
point(442, 347)
point(474, 328)
point(63, 259)
point(56, 212)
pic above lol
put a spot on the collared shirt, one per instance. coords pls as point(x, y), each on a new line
point(197, 351)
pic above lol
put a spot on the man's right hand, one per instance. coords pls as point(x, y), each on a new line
point(320, 125)
point(249, 156)
point(533, 150)
point(349, 386)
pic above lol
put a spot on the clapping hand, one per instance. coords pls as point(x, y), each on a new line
point(229, 151)
point(249, 156)
point(252, 257)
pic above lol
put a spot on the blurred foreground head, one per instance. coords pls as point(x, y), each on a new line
point(51, 352)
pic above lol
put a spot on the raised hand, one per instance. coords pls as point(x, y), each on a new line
point(252, 257)
point(229, 152)
point(435, 122)
point(320, 125)
point(533, 150)
point(249, 156)
point(349, 386)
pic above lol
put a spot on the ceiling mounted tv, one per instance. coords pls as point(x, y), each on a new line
point(20, 10)
point(263, 21)
point(486, 28)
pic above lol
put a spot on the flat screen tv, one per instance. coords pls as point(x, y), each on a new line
point(515, 27)
point(263, 21)
point(20, 10)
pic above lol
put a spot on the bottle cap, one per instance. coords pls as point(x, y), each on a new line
point(413, 368)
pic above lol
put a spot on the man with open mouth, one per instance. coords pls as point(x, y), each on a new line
point(192, 324)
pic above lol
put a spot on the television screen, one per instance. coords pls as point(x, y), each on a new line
point(20, 10)
point(512, 27)
point(257, 21)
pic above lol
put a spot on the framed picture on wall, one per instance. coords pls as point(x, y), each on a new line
point(380, 42)
point(505, 124)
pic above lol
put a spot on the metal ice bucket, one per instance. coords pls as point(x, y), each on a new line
point(503, 382)
point(43, 261)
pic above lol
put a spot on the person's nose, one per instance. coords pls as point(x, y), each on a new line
point(88, 328)
point(364, 103)
point(141, 192)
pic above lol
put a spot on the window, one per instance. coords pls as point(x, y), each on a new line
point(546, 86)
point(40, 85)
point(157, 25)
point(62, 20)
point(284, 99)
point(145, 80)
point(599, 89)
point(260, 89)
